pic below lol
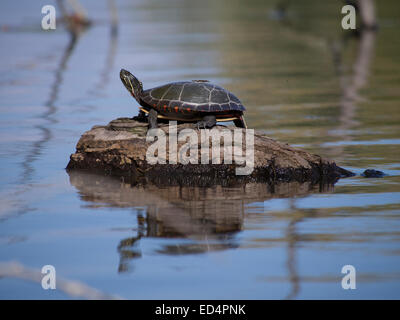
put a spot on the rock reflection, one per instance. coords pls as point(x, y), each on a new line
point(208, 216)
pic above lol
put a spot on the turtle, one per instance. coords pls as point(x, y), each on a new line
point(185, 101)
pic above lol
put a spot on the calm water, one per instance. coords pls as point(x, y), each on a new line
point(303, 80)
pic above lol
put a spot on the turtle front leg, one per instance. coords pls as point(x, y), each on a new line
point(141, 117)
point(207, 122)
point(153, 119)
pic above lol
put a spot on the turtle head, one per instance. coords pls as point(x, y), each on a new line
point(131, 83)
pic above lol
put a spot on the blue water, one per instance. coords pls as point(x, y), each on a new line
point(215, 243)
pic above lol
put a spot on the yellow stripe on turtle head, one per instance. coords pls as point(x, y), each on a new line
point(130, 83)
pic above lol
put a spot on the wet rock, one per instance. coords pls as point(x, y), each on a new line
point(371, 173)
point(120, 147)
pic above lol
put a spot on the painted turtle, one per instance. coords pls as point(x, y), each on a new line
point(188, 101)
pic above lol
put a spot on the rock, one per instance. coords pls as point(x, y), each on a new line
point(120, 147)
point(371, 173)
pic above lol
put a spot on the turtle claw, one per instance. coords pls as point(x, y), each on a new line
point(201, 125)
point(207, 122)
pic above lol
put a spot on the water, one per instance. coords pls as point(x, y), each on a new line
point(303, 80)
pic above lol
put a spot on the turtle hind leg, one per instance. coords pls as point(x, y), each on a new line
point(153, 119)
point(240, 123)
point(207, 122)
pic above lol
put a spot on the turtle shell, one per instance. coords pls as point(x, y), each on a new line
point(191, 97)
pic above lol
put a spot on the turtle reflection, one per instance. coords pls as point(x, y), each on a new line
point(208, 217)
